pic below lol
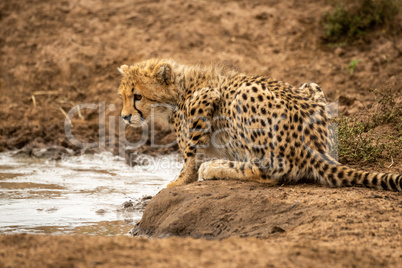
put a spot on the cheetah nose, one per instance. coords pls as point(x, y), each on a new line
point(126, 117)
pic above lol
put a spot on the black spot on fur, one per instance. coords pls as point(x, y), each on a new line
point(375, 180)
point(365, 180)
point(325, 167)
point(384, 184)
point(332, 179)
point(299, 128)
point(392, 184)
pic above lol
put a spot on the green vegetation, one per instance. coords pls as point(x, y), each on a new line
point(348, 23)
point(352, 66)
point(359, 142)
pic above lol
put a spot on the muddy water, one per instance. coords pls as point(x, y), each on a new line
point(77, 195)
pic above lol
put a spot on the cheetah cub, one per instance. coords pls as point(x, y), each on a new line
point(255, 128)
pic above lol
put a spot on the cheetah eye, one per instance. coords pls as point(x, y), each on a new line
point(137, 97)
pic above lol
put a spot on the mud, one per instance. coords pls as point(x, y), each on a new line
point(56, 55)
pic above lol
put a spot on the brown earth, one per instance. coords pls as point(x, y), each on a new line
point(57, 54)
point(259, 226)
point(121, 251)
point(222, 209)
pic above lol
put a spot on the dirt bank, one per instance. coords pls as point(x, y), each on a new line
point(221, 209)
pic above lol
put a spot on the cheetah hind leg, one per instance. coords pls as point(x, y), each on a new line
point(314, 91)
point(233, 170)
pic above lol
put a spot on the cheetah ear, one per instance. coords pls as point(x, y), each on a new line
point(123, 69)
point(164, 73)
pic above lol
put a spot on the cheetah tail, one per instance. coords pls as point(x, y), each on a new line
point(335, 175)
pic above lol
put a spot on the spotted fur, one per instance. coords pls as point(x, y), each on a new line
point(255, 128)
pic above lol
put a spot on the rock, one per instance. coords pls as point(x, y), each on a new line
point(100, 211)
point(277, 229)
point(138, 205)
point(128, 204)
point(53, 153)
point(24, 152)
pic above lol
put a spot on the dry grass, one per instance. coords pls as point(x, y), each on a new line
point(375, 137)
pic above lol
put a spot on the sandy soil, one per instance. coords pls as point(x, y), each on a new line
point(121, 251)
point(57, 54)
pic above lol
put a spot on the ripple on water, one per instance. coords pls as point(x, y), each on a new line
point(44, 196)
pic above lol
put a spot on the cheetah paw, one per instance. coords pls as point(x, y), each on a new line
point(173, 184)
point(208, 171)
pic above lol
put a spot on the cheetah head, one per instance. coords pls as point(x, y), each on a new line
point(148, 92)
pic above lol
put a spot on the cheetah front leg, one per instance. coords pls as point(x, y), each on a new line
point(187, 175)
point(225, 169)
point(194, 132)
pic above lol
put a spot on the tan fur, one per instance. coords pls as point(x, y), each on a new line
point(257, 128)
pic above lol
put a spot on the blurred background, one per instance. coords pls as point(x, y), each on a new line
point(58, 54)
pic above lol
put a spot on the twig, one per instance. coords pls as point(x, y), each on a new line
point(65, 114)
point(33, 100)
point(54, 92)
point(64, 100)
point(78, 110)
point(79, 113)
point(392, 162)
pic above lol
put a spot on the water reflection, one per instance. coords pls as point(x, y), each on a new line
point(78, 195)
